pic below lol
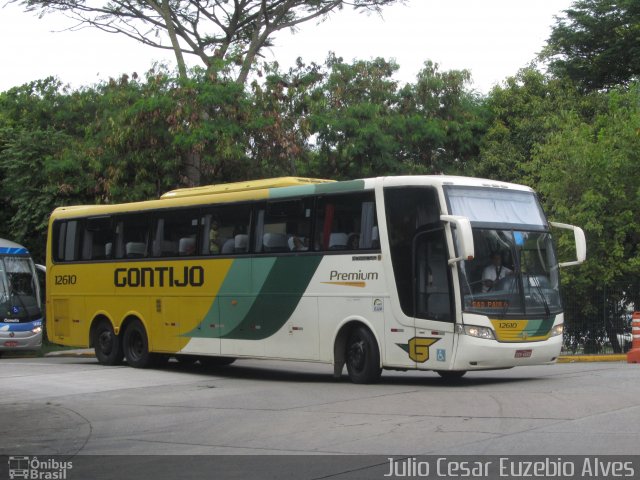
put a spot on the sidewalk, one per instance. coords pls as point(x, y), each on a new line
point(80, 352)
point(612, 357)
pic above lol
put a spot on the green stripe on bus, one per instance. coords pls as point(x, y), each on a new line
point(235, 297)
point(315, 189)
point(543, 326)
point(257, 297)
point(338, 187)
point(286, 283)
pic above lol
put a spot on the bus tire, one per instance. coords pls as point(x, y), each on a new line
point(451, 374)
point(215, 362)
point(363, 356)
point(135, 345)
point(106, 344)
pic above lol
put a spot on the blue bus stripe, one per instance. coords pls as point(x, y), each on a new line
point(13, 251)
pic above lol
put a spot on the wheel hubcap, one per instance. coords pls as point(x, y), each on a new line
point(357, 355)
point(105, 342)
point(137, 346)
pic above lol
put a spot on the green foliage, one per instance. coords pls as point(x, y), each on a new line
point(40, 123)
point(364, 125)
point(588, 176)
point(597, 44)
point(442, 121)
point(523, 113)
point(353, 118)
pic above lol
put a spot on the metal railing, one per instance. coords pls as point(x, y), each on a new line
point(600, 322)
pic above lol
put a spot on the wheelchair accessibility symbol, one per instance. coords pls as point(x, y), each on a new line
point(441, 355)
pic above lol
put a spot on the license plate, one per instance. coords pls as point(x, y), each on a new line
point(523, 353)
point(11, 343)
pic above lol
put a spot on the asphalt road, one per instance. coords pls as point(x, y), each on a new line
point(68, 406)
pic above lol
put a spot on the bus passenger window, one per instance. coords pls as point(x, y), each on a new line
point(67, 240)
point(132, 236)
point(175, 233)
point(224, 230)
point(97, 238)
point(346, 222)
point(284, 226)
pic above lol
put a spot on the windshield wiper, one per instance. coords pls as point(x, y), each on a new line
point(536, 283)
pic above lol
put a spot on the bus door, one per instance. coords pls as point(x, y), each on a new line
point(432, 346)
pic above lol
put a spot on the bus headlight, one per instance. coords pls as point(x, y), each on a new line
point(557, 330)
point(37, 329)
point(476, 331)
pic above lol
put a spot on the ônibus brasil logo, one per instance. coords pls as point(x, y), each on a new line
point(32, 468)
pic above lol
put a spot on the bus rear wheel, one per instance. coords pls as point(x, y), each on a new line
point(363, 356)
point(106, 344)
point(135, 344)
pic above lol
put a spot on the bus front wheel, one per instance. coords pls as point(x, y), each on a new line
point(106, 344)
point(135, 344)
point(363, 356)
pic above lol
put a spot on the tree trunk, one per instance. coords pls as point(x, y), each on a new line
point(166, 14)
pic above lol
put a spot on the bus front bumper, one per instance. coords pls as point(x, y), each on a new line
point(481, 354)
point(26, 340)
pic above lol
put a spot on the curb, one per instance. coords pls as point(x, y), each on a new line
point(592, 358)
point(87, 352)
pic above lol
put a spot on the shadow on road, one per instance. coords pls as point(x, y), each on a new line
point(284, 374)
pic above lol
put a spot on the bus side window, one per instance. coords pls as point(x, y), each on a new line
point(67, 240)
point(346, 222)
point(284, 226)
point(225, 230)
point(97, 237)
point(132, 236)
point(175, 233)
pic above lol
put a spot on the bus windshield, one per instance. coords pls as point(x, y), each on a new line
point(495, 207)
point(514, 273)
point(19, 293)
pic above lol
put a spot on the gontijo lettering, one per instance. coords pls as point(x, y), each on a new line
point(159, 277)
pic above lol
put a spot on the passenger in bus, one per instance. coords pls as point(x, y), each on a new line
point(214, 247)
point(353, 242)
point(494, 272)
point(298, 244)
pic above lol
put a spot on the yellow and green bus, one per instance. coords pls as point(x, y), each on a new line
point(438, 273)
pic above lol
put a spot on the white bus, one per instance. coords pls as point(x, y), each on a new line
point(439, 273)
point(21, 312)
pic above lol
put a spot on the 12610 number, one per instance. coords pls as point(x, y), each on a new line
point(65, 279)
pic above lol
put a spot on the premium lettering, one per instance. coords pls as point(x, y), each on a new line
point(352, 276)
point(159, 277)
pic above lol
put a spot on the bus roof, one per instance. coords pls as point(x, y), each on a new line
point(243, 186)
point(269, 189)
point(7, 247)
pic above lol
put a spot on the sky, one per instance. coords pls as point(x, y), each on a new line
point(491, 38)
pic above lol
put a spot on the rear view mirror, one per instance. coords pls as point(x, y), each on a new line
point(580, 242)
point(464, 237)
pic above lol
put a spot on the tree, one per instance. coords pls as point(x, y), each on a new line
point(597, 44)
point(216, 31)
point(443, 121)
point(588, 177)
point(354, 120)
point(523, 113)
point(41, 128)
